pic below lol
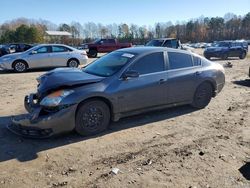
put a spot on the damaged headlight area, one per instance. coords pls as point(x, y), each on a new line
point(54, 99)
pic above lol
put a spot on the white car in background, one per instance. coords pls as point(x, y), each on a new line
point(44, 55)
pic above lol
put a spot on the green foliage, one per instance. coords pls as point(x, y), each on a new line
point(24, 34)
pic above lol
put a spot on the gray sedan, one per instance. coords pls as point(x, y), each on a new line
point(44, 55)
point(122, 83)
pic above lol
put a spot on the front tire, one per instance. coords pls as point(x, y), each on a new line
point(92, 117)
point(20, 66)
point(203, 95)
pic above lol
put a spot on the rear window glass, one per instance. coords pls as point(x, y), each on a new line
point(179, 60)
point(60, 49)
point(197, 61)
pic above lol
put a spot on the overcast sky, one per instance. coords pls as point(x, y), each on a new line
point(141, 12)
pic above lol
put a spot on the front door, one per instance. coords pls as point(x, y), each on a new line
point(40, 57)
point(148, 89)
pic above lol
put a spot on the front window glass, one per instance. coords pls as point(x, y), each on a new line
point(109, 64)
point(42, 50)
point(149, 64)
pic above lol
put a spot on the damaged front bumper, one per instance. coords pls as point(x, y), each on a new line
point(41, 122)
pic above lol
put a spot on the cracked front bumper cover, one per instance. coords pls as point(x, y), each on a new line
point(31, 132)
point(40, 124)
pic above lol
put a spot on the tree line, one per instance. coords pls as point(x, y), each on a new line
point(203, 29)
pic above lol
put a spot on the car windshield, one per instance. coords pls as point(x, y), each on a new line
point(97, 41)
point(33, 48)
point(109, 64)
point(155, 43)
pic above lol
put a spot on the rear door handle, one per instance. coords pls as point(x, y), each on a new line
point(162, 81)
point(197, 73)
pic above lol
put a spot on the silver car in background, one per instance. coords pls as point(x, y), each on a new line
point(44, 55)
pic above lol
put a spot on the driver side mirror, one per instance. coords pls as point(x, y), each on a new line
point(130, 74)
point(33, 52)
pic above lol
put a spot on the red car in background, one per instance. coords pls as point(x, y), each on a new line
point(104, 46)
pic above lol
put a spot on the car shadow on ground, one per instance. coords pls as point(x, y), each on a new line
point(245, 82)
point(245, 171)
point(228, 59)
point(30, 70)
point(24, 149)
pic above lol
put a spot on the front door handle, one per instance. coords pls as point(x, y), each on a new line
point(161, 81)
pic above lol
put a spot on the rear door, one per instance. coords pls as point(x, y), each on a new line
point(184, 71)
point(234, 49)
point(148, 89)
point(60, 55)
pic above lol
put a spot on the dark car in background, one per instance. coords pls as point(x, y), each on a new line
point(14, 48)
point(225, 49)
point(122, 83)
point(165, 42)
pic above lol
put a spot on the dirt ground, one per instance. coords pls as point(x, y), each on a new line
point(177, 147)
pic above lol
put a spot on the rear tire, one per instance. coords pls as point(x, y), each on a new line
point(224, 56)
point(73, 63)
point(20, 66)
point(92, 117)
point(242, 55)
point(203, 95)
point(93, 53)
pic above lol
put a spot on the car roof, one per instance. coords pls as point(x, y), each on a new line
point(148, 49)
point(165, 39)
point(39, 45)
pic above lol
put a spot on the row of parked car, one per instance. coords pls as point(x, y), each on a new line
point(225, 49)
point(13, 48)
point(21, 57)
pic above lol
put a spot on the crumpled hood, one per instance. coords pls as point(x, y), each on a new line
point(65, 77)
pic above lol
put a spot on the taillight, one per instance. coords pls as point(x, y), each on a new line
point(83, 53)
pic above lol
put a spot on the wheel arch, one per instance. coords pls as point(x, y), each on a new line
point(93, 48)
point(12, 65)
point(212, 83)
point(100, 98)
point(73, 58)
